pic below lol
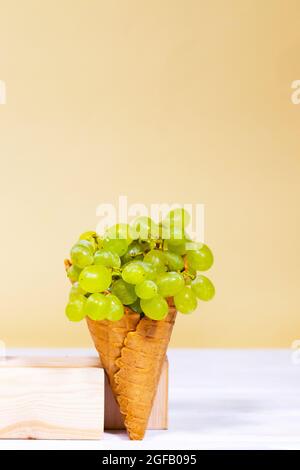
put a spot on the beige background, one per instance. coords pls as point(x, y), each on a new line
point(162, 100)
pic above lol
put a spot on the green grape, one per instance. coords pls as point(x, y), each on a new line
point(86, 244)
point(203, 288)
point(127, 258)
point(134, 273)
point(89, 236)
point(73, 273)
point(193, 245)
point(124, 291)
point(95, 278)
point(151, 272)
point(135, 250)
point(107, 258)
point(155, 308)
point(173, 234)
point(177, 236)
point(136, 306)
point(143, 228)
point(117, 245)
point(170, 284)
point(76, 290)
point(75, 308)
point(185, 301)
point(96, 307)
point(178, 248)
point(115, 309)
point(174, 261)
point(157, 259)
point(119, 231)
point(201, 260)
point(145, 244)
point(146, 289)
point(82, 255)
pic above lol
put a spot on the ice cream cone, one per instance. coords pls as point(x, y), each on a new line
point(132, 352)
point(109, 337)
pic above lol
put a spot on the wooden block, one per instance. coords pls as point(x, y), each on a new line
point(159, 416)
point(112, 415)
point(56, 398)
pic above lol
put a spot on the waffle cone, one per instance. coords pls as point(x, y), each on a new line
point(109, 337)
point(132, 352)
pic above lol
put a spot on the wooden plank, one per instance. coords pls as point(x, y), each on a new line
point(112, 416)
point(51, 402)
point(48, 361)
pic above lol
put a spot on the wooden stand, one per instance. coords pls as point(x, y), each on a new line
point(52, 398)
point(63, 398)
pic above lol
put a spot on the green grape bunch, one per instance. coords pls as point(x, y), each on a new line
point(138, 266)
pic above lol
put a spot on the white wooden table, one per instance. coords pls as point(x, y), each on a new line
point(219, 399)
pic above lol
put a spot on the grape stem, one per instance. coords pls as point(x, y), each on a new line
point(185, 263)
point(186, 273)
point(67, 264)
